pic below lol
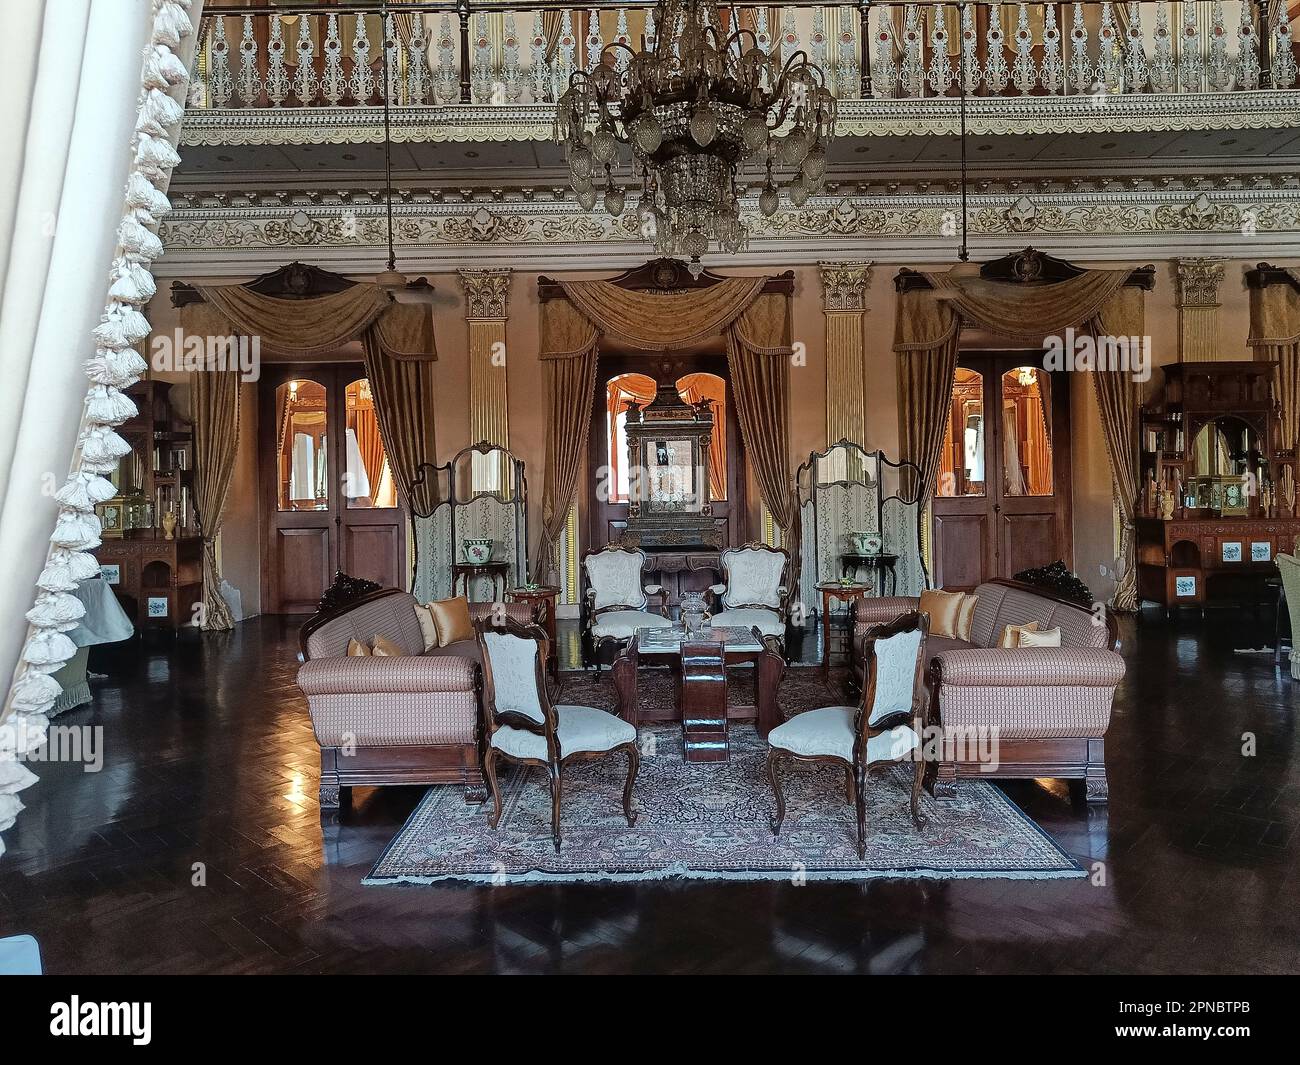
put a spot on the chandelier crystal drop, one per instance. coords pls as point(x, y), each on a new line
point(692, 108)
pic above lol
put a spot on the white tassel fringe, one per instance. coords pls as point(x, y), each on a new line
point(108, 405)
point(122, 326)
point(75, 530)
point(118, 369)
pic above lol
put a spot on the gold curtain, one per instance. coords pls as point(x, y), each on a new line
point(1038, 438)
point(1275, 337)
point(926, 332)
point(693, 388)
point(1117, 398)
point(758, 355)
point(757, 330)
point(371, 446)
point(216, 439)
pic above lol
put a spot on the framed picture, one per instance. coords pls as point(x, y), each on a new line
point(110, 516)
point(1261, 551)
point(112, 573)
point(1231, 550)
point(157, 606)
point(1184, 586)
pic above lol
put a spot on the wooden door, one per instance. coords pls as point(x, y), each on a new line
point(606, 505)
point(329, 499)
point(1002, 499)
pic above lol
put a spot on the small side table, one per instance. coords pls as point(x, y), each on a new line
point(844, 593)
point(880, 563)
point(542, 599)
point(497, 569)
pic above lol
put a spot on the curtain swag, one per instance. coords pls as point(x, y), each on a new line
point(756, 327)
point(927, 333)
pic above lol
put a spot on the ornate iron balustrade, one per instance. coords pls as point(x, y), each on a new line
point(490, 53)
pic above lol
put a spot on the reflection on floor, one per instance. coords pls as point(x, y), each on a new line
point(199, 847)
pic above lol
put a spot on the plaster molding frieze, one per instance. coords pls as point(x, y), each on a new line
point(1237, 222)
point(1198, 281)
point(487, 292)
point(1081, 113)
point(844, 284)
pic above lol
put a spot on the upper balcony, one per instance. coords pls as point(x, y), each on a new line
point(487, 71)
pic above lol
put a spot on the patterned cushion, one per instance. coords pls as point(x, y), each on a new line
point(614, 578)
point(1000, 606)
point(513, 661)
point(895, 674)
point(622, 624)
point(829, 731)
point(581, 728)
point(768, 622)
point(753, 577)
point(391, 615)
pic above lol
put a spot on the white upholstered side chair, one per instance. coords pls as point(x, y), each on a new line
point(754, 591)
point(615, 600)
point(885, 728)
point(1289, 567)
point(524, 726)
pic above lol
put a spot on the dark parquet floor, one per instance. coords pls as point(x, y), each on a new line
point(210, 768)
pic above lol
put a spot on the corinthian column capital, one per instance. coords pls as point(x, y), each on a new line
point(487, 292)
point(844, 285)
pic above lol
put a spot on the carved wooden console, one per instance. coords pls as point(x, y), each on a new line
point(1197, 561)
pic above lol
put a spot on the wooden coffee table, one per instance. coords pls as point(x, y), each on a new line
point(701, 682)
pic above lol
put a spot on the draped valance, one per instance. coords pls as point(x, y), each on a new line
point(316, 326)
point(1275, 337)
point(927, 332)
point(756, 326)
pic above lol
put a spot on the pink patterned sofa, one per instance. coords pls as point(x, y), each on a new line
point(1048, 707)
point(408, 720)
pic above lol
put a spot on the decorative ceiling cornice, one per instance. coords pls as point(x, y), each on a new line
point(1132, 113)
point(1250, 222)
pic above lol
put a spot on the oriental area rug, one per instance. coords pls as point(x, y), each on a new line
point(711, 821)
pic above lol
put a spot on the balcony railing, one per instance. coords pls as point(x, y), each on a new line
point(432, 54)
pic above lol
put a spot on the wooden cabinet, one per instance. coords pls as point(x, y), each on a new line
point(1200, 561)
point(157, 581)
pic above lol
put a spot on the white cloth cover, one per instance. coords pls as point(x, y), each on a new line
point(622, 624)
point(513, 661)
point(829, 731)
point(895, 672)
point(75, 75)
point(615, 578)
point(104, 621)
point(768, 622)
point(581, 728)
point(753, 577)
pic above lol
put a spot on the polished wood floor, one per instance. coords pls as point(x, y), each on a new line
point(210, 768)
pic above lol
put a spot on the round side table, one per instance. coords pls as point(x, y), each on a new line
point(844, 593)
point(542, 599)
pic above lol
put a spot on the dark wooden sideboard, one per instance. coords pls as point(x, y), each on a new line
point(1202, 561)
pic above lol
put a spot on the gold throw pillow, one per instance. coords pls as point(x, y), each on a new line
point(383, 647)
point(966, 616)
point(1044, 638)
point(428, 630)
point(1011, 634)
point(945, 610)
point(357, 649)
point(451, 619)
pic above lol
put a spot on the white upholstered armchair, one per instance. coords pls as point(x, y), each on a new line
point(524, 726)
point(754, 591)
point(616, 602)
point(884, 728)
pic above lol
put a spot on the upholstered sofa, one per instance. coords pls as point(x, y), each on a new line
point(413, 719)
point(1048, 707)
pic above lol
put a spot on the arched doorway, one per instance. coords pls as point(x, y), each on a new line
point(622, 379)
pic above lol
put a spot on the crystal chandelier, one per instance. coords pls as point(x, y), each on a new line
point(695, 105)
